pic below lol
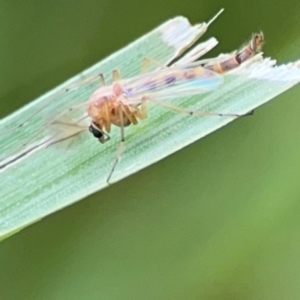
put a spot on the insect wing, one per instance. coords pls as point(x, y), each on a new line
point(172, 82)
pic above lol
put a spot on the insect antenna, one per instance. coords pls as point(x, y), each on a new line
point(10, 160)
point(56, 120)
point(63, 130)
point(80, 129)
point(70, 130)
point(51, 100)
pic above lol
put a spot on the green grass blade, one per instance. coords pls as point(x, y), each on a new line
point(52, 178)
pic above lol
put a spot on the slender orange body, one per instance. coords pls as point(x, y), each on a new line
point(124, 102)
point(246, 53)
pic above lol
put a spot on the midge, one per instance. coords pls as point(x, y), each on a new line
point(124, 102)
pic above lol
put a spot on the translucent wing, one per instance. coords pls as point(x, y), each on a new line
point(172, 82)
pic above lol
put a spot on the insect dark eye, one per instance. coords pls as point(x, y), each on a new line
point(95, 132)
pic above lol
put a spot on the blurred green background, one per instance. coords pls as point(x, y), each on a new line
point(217, 220)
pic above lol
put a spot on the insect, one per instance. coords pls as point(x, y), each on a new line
point(124, 102)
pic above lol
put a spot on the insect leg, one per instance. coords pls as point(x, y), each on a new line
point(102, 79)
point(116, 75)
point(196, 112)
point(122, 143)
point(142, 111)
point(147, 60)
point(130, 115)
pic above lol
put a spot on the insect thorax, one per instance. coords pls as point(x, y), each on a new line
point(105, 112)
